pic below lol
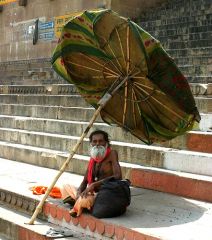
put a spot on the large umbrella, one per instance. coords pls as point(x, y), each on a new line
point(123, 72)
point(98, 49)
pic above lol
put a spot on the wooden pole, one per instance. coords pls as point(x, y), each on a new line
point(101, 103)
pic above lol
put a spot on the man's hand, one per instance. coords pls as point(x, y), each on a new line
point(89, 189)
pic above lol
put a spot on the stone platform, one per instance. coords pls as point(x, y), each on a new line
point(151, 215)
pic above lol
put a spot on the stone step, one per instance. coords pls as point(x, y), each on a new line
point(177, 35)
point(29, 81)
point(23, 64)
point(203, 60)
point(73, 113)
point(204, 70)
point(197, 10)
point(205, 124)
point(48, 100)
point(40, 72)
point(13, 227)
point(190, 52)
point(32, 72)
point(204, 104)
point(53, 112)
point(199, 89)
point(70, 89)
point(151, 215)
point(23, 76)
point(155, 156)
point(196, 70)
point(199, 79)
point(193, 140)
point(173, 30)
point(199, 186)
point(60, 89)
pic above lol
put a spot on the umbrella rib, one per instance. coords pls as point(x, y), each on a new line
point(79, 65)
point(115, 59)
point(125, 103)
point(167, 108)
point(132, 86)
point(122, 51)
point(139, 93)
point(128, 48)
point(145, 125)
point(112, 77)
point(143, 85)
point(127, 128)
point(105, 77)
point(133, 76)
point(153, 111)
point(102, 65)
point(116, 66)
point(139, 110)
point(110, 74)
point(135, 99)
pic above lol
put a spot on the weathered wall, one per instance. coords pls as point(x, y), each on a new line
point(133, 8)
point(17, 25)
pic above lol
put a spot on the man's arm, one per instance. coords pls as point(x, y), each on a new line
point(115, 165)
point(83, 184)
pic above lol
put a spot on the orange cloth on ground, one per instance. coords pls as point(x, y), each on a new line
point(38, 190)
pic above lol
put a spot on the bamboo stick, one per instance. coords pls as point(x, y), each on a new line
point(102, 103)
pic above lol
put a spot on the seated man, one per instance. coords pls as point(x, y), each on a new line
point(103, 165)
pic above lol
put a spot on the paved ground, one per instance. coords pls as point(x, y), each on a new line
point(3, 238)
point(10, 219)
point(151, 212)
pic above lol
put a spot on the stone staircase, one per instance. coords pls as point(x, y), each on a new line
point(184, 28)
point(42, 117)
point(40, 124)
point(30, 72)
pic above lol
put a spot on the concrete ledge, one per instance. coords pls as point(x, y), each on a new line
point(38, 89)
point(47, 100)
point(14, 231)
point(33, 97)
point(151, 215)
point(53, 112)
point(154, 156)
point(198, 89)
point(193, 140)
point(85, 227)
point(199, 141)
point(204, 104)
point(74, 114)
point(199, 186)
point(12, 226)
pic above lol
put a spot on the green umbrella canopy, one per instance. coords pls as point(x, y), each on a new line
point(97, 49)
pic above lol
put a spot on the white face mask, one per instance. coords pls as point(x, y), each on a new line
point(98, 152)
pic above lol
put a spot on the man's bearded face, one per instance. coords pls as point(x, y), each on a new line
point(98, 152)
point(98, 147)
